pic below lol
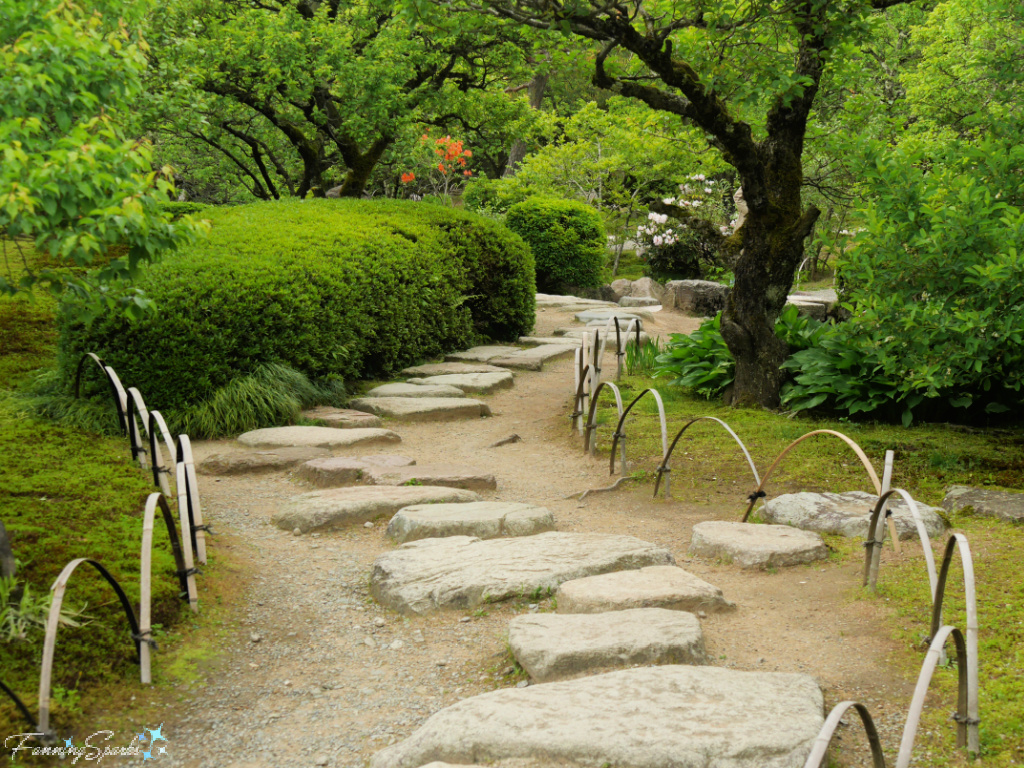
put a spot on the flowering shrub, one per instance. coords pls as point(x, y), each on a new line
point(443, 167)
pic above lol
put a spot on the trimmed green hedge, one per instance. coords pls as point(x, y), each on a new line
point(332, 289)
point(567, 239)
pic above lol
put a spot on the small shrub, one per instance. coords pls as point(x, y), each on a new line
point(493, 196)
point(567, 239)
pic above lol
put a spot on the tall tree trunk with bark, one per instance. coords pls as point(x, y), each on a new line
point(535, 91)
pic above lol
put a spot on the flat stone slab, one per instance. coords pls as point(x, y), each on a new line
point(482, 519)
point(639, 301)
point(252, 462)
point(625, 315)
point(414, 390)
point(658, 586)
point(441, 369)
point(1002, 504)
point(341, 418)
point(554, 301)
point(447, 475)
point(552, 646)
point(338, 507)
point(479, 354)
point(476, 383)
point(756, 546)
point(338, 471)
point(533, 359)
point(316, 437)
point(422, 408)
point(649, 717)
point(464, 572)
point(847, 514)
point(536, 341)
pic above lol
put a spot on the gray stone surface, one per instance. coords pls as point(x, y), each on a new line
point(533, 359)
point(618, 289)
point(650, 717)
point(339, 507)
point(702, 298)
point(826, 296)
point(846, 514)
point(1002, 504)
point(480, 354)
point(808, 307)
point(646, 288)
point(638, 301)
point(756, 546)
point(441, 369)
point(475, 383)
point(414, 390)
point(536, 341)
point(552, 646)
point(550, 301)
point(316, 437)
point(464, 572)
point(482, 519)
point(602, 315)
point(447, 475)
point(422, 408)
point(340, 418)
point(657, 586)
point(338, 471)
point(252, 462)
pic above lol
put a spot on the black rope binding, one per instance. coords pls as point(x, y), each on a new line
point(189, 572)
point(755, 496)
point(965, 719)
point(144, 637)
point(204, 527)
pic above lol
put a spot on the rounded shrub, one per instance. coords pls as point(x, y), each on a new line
point(287, 299)
point(567, 239)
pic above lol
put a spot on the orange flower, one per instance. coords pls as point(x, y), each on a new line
point(467, 173)
point(467, 153)
point(440, 167)
point(407, 177)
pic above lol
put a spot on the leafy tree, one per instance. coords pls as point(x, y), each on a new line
point(73, 182)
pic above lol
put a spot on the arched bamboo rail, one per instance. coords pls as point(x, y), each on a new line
point(197, 529)
point(759, 493)
point(620, 348)
point(53, 620)
point(876, 536)
point(19, 704)
point(187, 532)
point(824, 739)
point(619, 435)
point(961, 717)
point(137, 412)
point(577, 404)
point(116, 391)
point(589, 432)
point(664, 468)
point(161, 469)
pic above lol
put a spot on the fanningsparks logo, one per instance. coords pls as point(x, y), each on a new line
point(149, 744)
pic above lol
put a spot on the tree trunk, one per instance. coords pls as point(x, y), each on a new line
point(517, 154)
point(360, 168)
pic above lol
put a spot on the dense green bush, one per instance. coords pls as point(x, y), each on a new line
point(328, 289)
point(493, 196)
point(567, 239)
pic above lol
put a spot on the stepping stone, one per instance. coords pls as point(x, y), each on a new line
point(316, 437)
point(659, 586)
point(337, 471)
point(1002, 504)
point(536, 341)
point(579, 333)
point(422, 408)
point(546, 300)
point(341, 418)
point(414, 390)
point(625, 315)
point(464, 572)
point(477, 383)
point(447, 475)
point(649, 717)
point(320, 510)
point(534, 359)
point(252, 462)
point(639, 301)
point(441, 369)
point(551, 646)
point(756, 546)
point(480, 354)
point(847, 514)
point(482, 519)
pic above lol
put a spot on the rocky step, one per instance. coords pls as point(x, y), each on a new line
point(533, 359)
point(441, 369)
point(847, 514)
point(339, 471)
point(639, 301)
point(657, 586)
point(474, 383)
point(422, 408)
point(254, 462)
point(536, 341)
point(551, 646)
point(602, 316)
point(316, 437)
point(447, 475)
point(462, 572)
point(756, 546)
point(340, 507)
point(649, 717)
point(341, 418)
point(482, 519)
point(1003, 505)
point(414, 390)
point(482, 354)
point(553, 301)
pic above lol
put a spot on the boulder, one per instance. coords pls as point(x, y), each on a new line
point(414, 390)
point(649, 717)
point(846, 514)
point(340, 418)
point(647, 288)
point(1001, 504)
point(638, 301)
point(422, 408)
point(447, 475)
point(658, 586)
point(552, 646)
point(813, 309)
point(756, 546)
point(337, 471)
point(463, 572)
point(618, 289)
point(339, 507)
point(441, 369)
point(476, 383)
point(701, 298)
point(482, 519)
point(534, 359)
point(252, 462)
point(316, 437)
